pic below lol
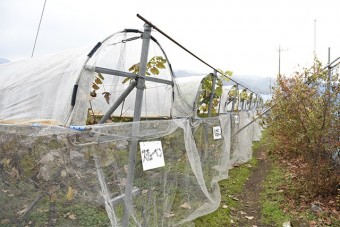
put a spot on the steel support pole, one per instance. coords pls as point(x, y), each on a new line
point(212, 94)
point(135, 127)
point(234, 98)
point(250, 100)
point(233, 101)
point(120, 99)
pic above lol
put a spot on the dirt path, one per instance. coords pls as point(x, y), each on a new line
point(249, 212)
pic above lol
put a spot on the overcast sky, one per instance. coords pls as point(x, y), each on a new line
point(239, 35)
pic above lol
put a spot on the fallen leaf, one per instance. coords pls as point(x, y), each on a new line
point(15, 173)
point(53, 197)
point(6, 162)
point(53, 188)
point(63, 173)
point(243, 213)
point(169, 215)
point(232, 222)
point(312, 223)
point(249, 217)
point(186, 206)
point(72, 217)
point(328, 221)
point(225, 206)
point(5, 221)
point(286, 224)
point(70, 193)
point(21, 212)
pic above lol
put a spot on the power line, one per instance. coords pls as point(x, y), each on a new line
point(36, 37)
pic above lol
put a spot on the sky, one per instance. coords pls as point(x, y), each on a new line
point(243, 36)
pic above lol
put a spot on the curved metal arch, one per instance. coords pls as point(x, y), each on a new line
point(93, 51)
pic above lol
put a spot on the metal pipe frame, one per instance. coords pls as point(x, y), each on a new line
point(135, 127)
point(212, 94)
point(120, 99)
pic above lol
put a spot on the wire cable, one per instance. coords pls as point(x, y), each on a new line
point(178, 44)
point(36, 37)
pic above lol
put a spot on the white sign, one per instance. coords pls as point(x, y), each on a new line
point(152, 154)
point(217, 132)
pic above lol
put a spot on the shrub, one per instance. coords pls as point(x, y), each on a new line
point(305, 127)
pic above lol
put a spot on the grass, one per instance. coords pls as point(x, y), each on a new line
point(229, 187)
point(272, 198)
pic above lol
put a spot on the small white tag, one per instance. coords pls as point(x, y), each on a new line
point(217, 132)
point(152, 154)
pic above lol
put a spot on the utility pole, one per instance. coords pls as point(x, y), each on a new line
point(280, 50)
point(314, 38)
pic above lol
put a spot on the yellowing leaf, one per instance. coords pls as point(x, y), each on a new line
point(134, 68)
point(98, 81)
point(126, 80)
point(160, 65)
point(95, 86)
point(154, 71)
point(100, 76)
point(70, 193)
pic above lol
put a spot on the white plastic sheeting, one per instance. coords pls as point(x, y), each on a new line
point(57, 176)
point(39, 89)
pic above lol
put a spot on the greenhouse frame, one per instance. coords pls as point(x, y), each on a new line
point(108, 136)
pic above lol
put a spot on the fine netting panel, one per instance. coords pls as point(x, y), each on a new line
point(63, 177)
point(241, 140)
point(185, 95)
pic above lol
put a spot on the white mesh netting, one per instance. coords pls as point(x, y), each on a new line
point(60, 176)
point(146, 173)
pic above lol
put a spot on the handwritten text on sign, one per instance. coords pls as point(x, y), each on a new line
point(152, 154)
point(217, 132)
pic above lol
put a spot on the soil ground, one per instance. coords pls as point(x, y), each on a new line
point(249, 211)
